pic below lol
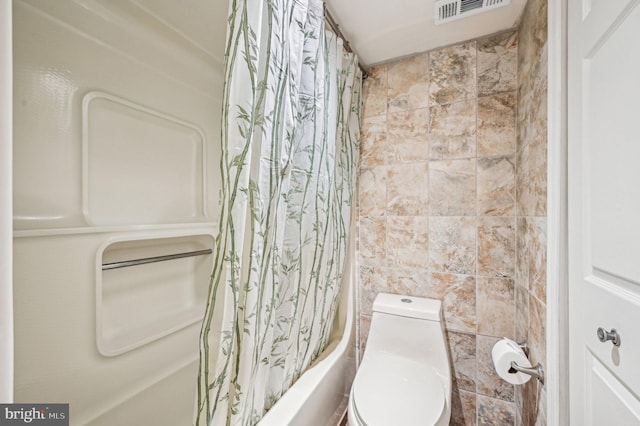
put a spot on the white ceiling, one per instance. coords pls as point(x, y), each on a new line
point(381, 30)
point(378, 30)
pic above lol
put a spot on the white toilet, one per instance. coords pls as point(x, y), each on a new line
point(404, 378)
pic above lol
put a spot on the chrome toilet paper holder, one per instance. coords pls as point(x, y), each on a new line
point(537, 371)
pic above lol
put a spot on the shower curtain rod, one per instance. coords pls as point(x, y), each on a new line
point(336, 29)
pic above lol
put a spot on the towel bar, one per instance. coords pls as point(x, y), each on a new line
point(134, 262)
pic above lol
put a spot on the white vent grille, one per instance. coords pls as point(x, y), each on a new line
point(450, 10)
point(466, 6)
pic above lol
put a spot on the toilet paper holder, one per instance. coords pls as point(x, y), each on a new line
point(537, 371)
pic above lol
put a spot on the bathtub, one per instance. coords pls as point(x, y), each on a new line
point(320, 395)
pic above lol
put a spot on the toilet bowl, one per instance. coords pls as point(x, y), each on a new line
point(404, 377)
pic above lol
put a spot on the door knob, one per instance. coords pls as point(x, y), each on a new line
point(604, 335)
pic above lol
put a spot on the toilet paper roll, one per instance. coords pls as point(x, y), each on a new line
point(503, 353)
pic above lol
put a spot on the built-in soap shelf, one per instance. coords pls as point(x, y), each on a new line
point(144, 301)
point(140, 166)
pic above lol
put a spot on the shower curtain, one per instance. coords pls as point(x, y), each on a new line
point(290, 148)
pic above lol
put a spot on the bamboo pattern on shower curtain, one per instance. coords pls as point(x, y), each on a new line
point(290, 149)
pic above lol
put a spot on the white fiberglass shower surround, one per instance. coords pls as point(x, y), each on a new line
point(116, 148)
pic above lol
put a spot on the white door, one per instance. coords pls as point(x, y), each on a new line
point(604, 210)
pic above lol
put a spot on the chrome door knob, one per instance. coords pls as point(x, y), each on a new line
point(604, 335)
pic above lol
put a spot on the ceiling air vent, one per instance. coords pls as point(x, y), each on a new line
point(450, 10)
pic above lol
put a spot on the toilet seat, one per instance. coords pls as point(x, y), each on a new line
point(389, 389)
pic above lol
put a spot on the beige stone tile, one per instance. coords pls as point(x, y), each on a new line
point(408, 136)
point(497, 125)
point(463, 409)
point(452, 188)
point(531, 179)
point(371, 241)
point(453, 74)
point(488, 381)
point(529, 85)
point(462, 348)
point(374, 144)
point(408, 189)
point(531, 195)
point(408, 83)
point(458, 296)
point(408, 241)
point(531, 255)
point(372, 191)
point(522, 314)
point(531, 404)
point(525, 198)
point(373, 280)
point(496, 246)
point(541, 407)
point(352, 349)
point(353, 346)
point(525, 118)
point(531, 117)
point(408, 281)
point(496, 186)
point(532, 36)
point(531, 112)
point(452, 130)
point(537, 331)
point(375, 92)
point(496, 307)
point(495, 412)
point(452, 245)
point(497, 63)
point(520, 420)
point(540, 84)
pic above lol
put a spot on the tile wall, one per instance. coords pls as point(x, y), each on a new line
point(438, 204)
point(531, 197)
point(439, 212)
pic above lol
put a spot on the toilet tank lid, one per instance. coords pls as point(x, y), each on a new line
point(408, 306)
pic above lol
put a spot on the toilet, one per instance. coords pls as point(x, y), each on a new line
point(404, 377)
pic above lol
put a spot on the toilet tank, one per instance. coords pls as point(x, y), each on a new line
point(408, 306)
point(410, 327)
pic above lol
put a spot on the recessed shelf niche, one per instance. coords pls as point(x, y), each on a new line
point(140, 166)
point(138, 304)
